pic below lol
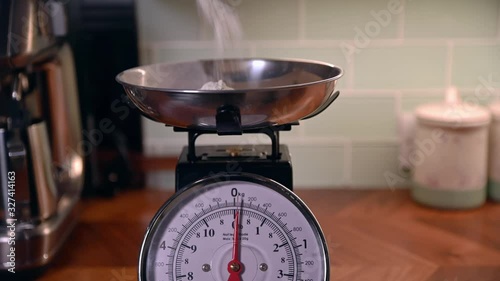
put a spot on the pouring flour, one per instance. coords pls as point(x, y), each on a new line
point(227, 29)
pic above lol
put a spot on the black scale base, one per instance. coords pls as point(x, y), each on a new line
point(271, 161)
point(223, 160)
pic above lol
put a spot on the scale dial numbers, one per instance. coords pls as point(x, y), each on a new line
point(192, 236)
point(262, 243)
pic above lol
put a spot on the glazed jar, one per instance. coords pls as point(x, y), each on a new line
point(494, 173)
point(451, 154)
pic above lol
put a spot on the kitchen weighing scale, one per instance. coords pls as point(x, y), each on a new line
point(234, 216)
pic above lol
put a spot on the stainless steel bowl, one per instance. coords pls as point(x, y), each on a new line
point(266, 92)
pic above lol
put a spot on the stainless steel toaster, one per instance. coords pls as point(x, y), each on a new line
point(41, 161)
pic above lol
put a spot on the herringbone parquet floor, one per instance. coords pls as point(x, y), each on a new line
point(372, 236)
point(383, 235)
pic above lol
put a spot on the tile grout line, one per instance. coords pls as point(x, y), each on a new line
point(449, 63)
point(350, 73)
point(398, 108)
point(388, 92)
point(402, 21)
point(348, 163)
point(498, 23)
point(364, 92)
point(336, 43)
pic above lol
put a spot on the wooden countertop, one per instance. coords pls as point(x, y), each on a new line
point(372, 235)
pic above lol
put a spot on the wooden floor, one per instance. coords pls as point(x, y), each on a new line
point(372, 235)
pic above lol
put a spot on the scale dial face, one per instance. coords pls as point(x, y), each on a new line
point(192, 237)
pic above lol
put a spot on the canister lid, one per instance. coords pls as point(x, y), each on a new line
point(453, 112)
point(495, 110)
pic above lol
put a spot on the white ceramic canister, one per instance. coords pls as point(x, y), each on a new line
point(451, 154)
point(494, 173)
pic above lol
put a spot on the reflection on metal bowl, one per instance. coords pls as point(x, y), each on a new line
point(266, 92)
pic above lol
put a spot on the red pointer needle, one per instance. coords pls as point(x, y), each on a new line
point(235, 266)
